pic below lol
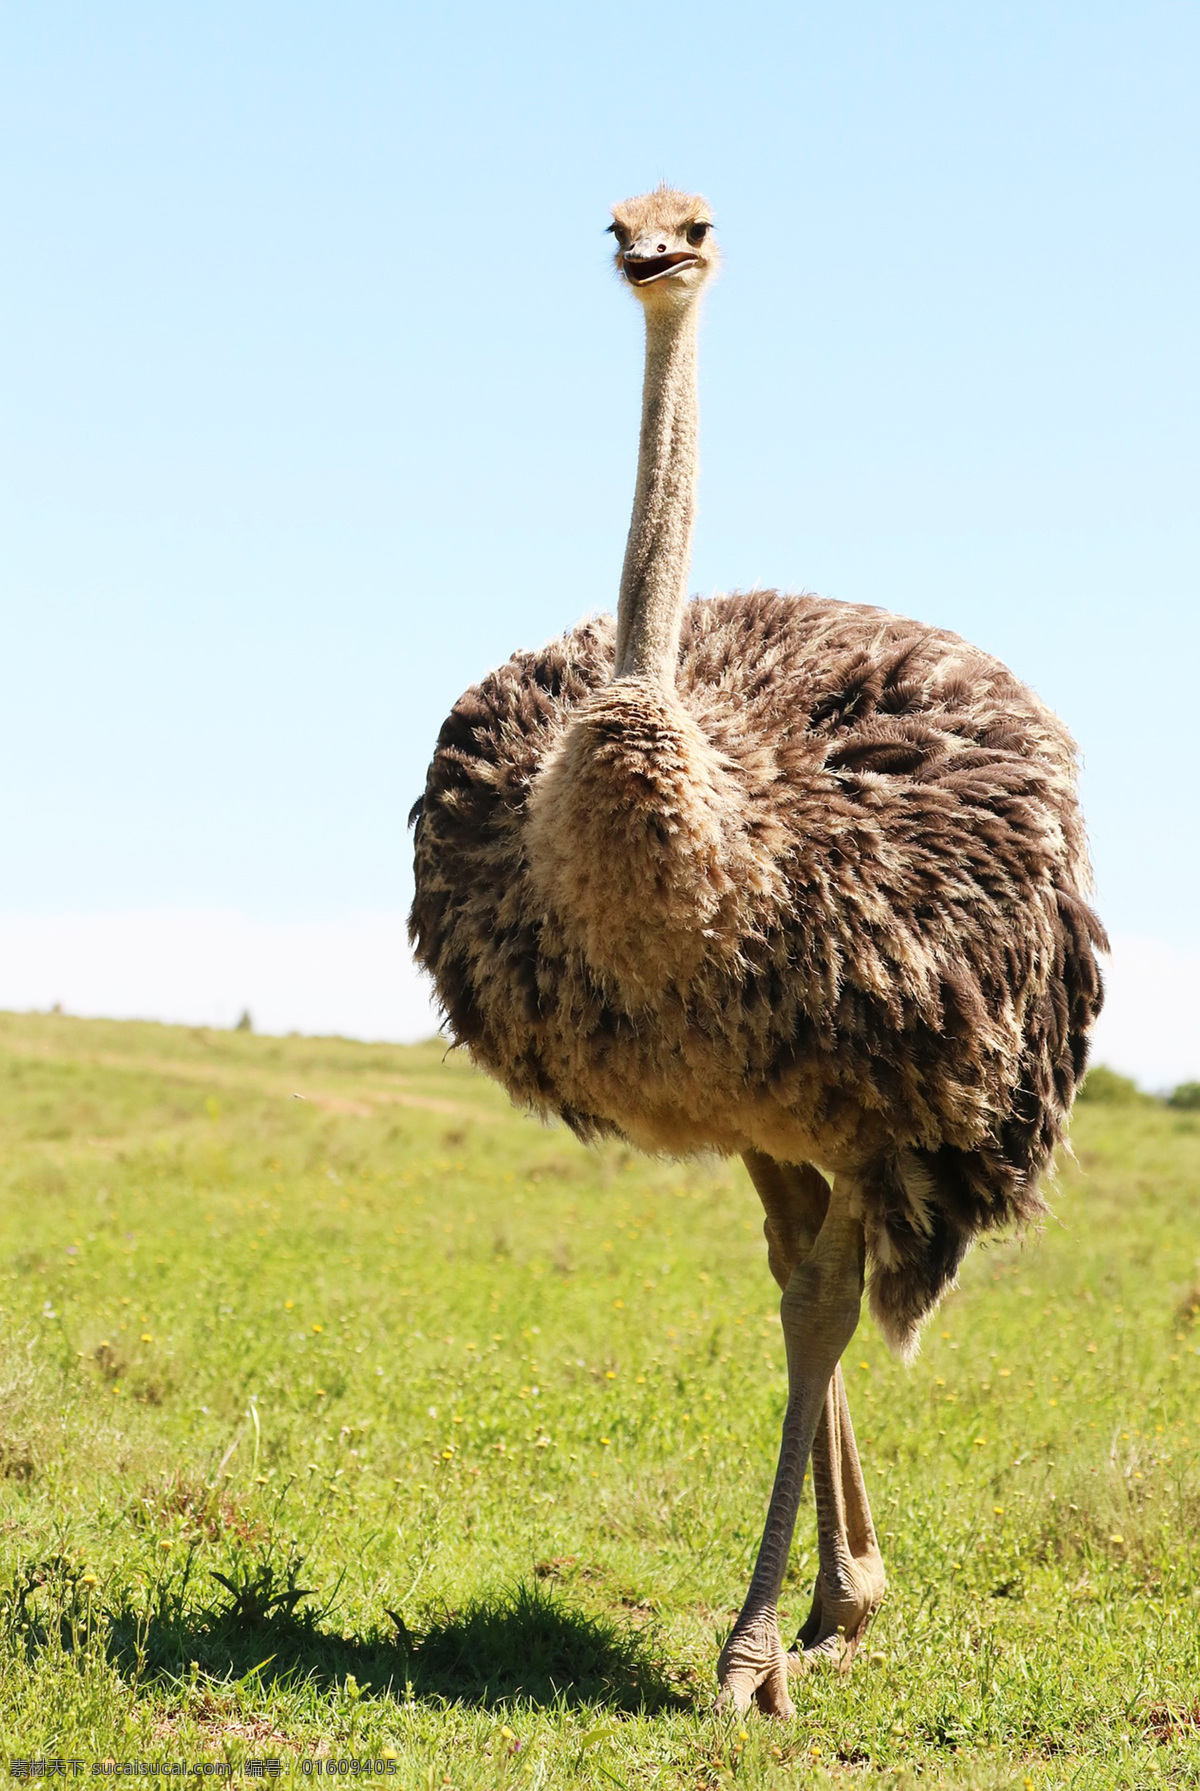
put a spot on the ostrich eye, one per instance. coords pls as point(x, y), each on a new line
point(621, 234)
point(697, 233)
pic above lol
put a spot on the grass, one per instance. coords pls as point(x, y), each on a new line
point(346, 1414)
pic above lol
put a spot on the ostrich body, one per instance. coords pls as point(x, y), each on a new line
point(773, 875)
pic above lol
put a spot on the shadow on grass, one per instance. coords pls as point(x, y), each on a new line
point(526, 1645)
point(529, 1644)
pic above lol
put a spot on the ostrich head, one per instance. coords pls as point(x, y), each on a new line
point(665, 248)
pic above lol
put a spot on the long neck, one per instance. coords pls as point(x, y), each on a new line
point(659, 550)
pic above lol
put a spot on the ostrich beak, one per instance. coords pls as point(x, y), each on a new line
point(642, 265)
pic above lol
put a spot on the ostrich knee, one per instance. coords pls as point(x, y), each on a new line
point(820, 1306)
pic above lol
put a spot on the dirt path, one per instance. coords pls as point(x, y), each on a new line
point(363, 1104)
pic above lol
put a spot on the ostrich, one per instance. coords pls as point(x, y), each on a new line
point(779, 876)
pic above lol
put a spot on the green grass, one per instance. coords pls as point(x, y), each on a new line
point(477, 1429)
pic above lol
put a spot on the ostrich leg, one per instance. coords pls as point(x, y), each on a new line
point(850, 1579)
point(819, 1312)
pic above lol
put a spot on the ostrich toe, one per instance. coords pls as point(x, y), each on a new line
point(843, 1603)
point(753, 1668)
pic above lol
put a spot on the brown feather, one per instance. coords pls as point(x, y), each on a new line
point(826, 900)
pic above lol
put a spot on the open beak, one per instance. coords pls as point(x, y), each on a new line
point(643, 270)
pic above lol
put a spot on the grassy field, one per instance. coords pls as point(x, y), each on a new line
point(347, 1415)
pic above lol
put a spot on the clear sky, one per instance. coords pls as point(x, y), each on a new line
point(319, 398)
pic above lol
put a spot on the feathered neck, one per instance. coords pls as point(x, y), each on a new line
point(659, 549)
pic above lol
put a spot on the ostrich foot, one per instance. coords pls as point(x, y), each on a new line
point(753, 1669)
point(843, 1604)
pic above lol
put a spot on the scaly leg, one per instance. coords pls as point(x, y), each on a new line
point(850, 1578)
point(819, 1312)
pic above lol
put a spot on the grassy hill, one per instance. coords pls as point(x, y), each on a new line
point(346, 1414)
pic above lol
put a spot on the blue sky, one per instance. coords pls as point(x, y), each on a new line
point(319, 396)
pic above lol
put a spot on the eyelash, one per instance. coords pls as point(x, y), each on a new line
point(696, 234)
